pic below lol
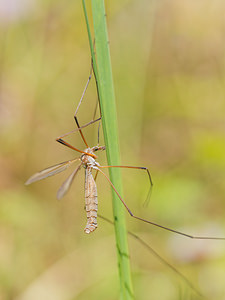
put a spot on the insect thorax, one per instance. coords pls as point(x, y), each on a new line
point(88, 160)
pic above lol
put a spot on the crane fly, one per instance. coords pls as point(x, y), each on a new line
point(88, 161)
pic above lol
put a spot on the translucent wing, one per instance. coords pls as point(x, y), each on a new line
point(50, 171)
point(67, 183)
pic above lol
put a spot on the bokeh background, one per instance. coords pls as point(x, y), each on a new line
point(169, 72)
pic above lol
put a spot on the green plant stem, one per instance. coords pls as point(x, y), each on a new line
point(104, 81)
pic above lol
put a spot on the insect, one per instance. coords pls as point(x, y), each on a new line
point(88, 161)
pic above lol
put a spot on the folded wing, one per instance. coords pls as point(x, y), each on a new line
point(53, 170)
point(67, 183)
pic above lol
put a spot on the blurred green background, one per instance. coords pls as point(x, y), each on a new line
point(169, 72)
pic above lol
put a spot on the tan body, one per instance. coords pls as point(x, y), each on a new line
point(89, 163)
point(91, 201)
point(91, 196)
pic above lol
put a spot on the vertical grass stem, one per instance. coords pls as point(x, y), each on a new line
point(104, 81)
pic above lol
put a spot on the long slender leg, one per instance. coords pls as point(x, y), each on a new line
point(96, 175)
point(138, 168)
point(95, 110)
point(77, 129)
point(59, 139)
point(82, 96)
point(71, 147)
point(98, 132)
point(97, 102)
point(75, 115)
point(96, 83)
point(159, 257)
point(78, 106)
point(84, 91)
point(132, 167)
point(152, 223)
point(81, 133)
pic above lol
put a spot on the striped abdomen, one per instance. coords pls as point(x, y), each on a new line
point(91, 201)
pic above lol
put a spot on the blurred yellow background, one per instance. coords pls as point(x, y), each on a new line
point(169, 74)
